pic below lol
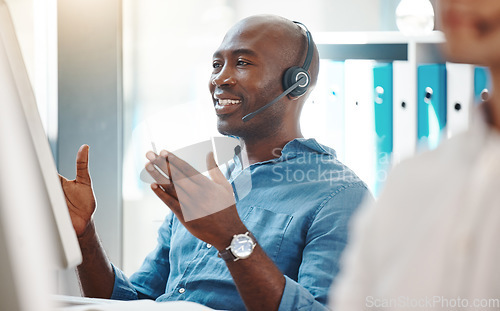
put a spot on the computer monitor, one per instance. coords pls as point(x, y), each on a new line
point(36, 234)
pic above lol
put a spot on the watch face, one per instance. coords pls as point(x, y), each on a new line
point(242, 246)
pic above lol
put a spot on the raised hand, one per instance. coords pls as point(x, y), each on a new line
point(205, 206)
point(79, 194)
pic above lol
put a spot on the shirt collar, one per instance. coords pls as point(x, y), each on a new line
point(301, 146)
point(293, 149)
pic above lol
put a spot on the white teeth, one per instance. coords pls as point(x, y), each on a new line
point(227, 102)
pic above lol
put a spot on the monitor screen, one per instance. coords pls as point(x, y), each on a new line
point(36, 234)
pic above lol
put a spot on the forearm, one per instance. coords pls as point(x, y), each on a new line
point(259, 282)
point(95, 272)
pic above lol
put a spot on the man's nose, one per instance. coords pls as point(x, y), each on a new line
point(225, 77)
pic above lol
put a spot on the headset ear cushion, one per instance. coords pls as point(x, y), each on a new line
point(292, 75)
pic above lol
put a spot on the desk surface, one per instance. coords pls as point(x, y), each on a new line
point(71, 303)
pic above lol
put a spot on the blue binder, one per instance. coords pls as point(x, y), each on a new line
point(383, 108)
point(482, 84)
point(431, 110)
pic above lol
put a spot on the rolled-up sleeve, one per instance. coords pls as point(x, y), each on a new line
point(123, 289)
point(296, 297)
point(325, 241)
point(149, 281)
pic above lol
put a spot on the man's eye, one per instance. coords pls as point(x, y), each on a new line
point(242, 63)
point(216, 65)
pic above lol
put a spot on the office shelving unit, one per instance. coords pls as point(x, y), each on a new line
point(387, 47)
point(380, 46)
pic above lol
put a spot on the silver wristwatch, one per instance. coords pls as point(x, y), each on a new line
point(241, 247)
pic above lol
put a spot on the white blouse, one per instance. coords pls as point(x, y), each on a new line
point(432, 240)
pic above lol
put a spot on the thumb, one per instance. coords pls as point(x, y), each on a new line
point(82, 165)
point(62, 179)
point(215, 173)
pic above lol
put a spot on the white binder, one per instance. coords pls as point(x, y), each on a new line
point(460, 89)
point(360, 120)
point(326, 113)
point(405, 110)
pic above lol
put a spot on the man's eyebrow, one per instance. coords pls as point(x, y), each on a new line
point(244, 52)
point(241, 51)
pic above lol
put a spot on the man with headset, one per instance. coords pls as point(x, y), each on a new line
point(277, 246)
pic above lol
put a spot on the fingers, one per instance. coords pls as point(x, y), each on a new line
point(158, 169)
point(170, 189)
point(180, 169)
point(215, 173)
point(166, 169)
point(158, 175)
point(211, 164)
point(161, 180)
point(62, 179)
point(160, 163)
point(82, 165)
point(168, 199)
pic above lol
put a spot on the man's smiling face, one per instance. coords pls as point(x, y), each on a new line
point(247, 73)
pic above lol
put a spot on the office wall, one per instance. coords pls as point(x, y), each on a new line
point(90, 105)
point(318, 15)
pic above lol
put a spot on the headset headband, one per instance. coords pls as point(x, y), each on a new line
point(309, 54)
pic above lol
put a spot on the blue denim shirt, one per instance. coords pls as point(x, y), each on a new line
point(297, 206)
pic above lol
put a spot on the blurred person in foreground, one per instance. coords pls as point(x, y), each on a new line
point(431, 242)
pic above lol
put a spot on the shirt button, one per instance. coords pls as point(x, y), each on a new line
point(209, 245)
point(182, 290)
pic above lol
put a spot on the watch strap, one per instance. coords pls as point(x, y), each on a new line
point(227, 255)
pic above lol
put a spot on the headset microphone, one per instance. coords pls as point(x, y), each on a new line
point(250, 116)
point(295, 80)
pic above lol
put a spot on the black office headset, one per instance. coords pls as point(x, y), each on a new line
point(296, 79)
point(294, 74)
